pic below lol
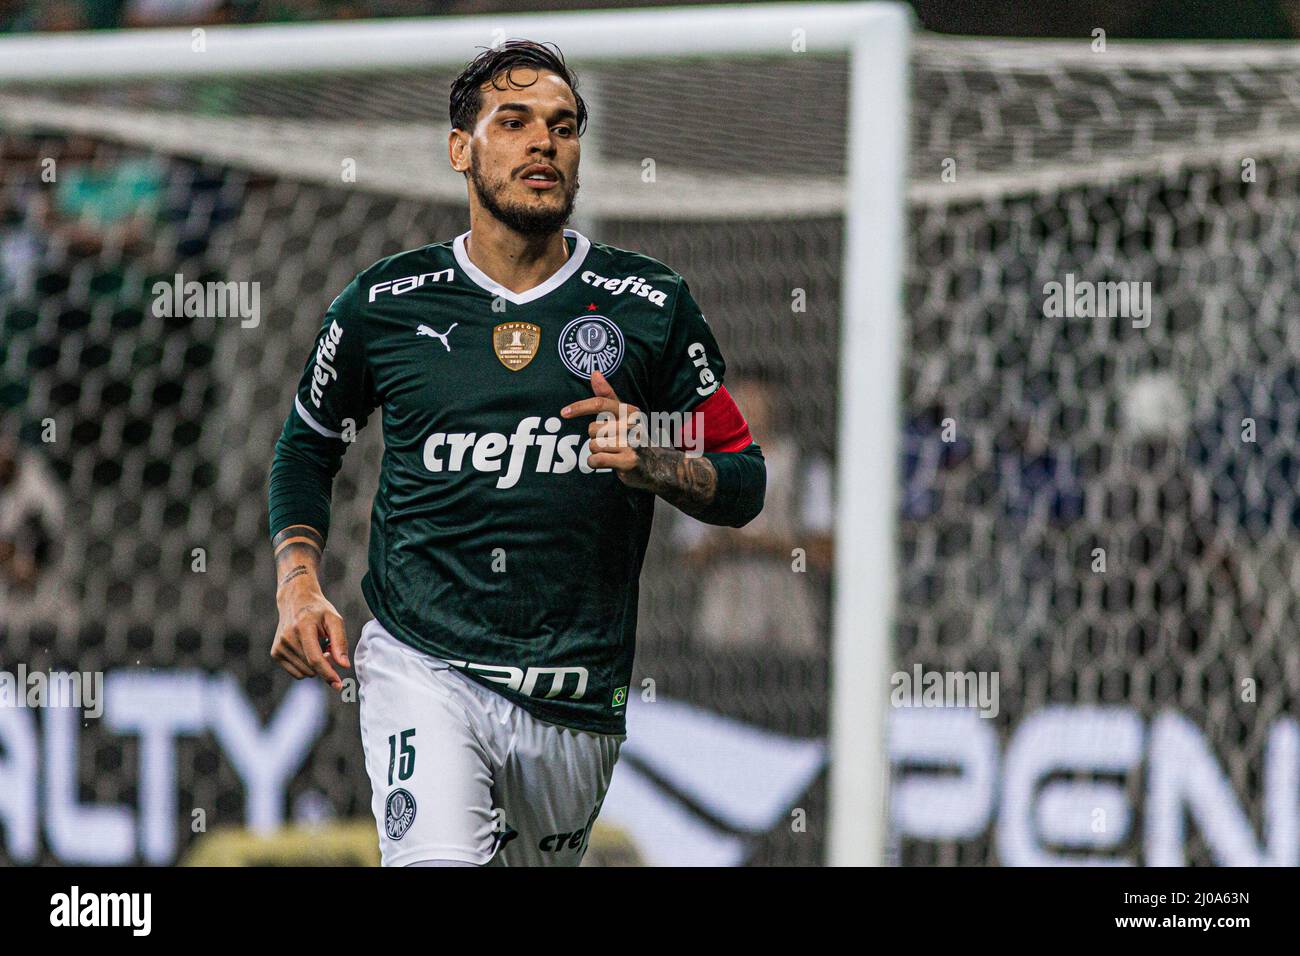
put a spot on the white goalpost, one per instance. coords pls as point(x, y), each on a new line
point(704, 184)
point(874, 260)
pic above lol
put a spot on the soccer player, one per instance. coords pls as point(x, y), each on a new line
point(516, 492)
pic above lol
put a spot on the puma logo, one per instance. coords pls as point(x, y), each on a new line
point(425, 330)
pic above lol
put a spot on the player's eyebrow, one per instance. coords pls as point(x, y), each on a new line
point(563, 113)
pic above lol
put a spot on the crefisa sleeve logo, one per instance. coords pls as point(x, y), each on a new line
point(591, 343)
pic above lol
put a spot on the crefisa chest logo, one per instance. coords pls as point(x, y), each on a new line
point(591, 343)
point(399, 813)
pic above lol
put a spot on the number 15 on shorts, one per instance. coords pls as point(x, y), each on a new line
point(401, 755)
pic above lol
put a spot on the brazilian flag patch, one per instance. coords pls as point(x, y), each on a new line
point(620, 697)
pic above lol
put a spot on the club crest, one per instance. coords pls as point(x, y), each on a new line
point(516, 343)
point(399, 813)
point(591, 343)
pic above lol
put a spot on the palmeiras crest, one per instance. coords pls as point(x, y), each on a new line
point(591, 343)
point(399, 813)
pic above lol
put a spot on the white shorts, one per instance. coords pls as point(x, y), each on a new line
point(459, 773)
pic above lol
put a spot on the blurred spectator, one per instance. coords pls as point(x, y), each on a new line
point(1029, 473)
point(16, 16)
point(31, 515)
point(750, 594)
point(105, 201)
point(926, 456)
point(160, 13)
point(52, 16)
point(22, 239)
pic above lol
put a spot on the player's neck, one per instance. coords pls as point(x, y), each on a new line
point(515, 261)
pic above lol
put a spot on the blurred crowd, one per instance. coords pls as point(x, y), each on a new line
point(85, 229)
point(24, 16)
point(21, 16)
point(1151, 19)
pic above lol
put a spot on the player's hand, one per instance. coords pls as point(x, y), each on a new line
point(309, 640)
point(612, 445)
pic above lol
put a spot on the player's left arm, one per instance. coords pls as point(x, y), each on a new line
point(723, 479)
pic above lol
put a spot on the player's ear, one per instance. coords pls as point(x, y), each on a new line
point(458, 150)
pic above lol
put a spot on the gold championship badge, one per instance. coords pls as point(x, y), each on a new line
point(516, 343)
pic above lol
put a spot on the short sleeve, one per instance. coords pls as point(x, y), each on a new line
point(691, 367)
point(336, 389)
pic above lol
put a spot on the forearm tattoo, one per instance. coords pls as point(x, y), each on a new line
point(297, 571)
point(688, 483)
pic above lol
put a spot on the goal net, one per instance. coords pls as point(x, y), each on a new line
point(1099, 500)
point(1094, 502)
point(176, 163)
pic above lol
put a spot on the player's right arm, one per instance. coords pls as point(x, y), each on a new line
point(310, 638)
point(335, 395)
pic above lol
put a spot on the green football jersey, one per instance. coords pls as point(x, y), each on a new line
point(493, 544)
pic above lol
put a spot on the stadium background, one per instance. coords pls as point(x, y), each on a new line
point(1072, 435)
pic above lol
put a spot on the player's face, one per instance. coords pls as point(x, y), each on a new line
point(524, 151)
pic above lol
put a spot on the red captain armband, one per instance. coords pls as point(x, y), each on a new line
point(719, 423)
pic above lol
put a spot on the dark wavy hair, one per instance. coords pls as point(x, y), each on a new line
point(467, 98)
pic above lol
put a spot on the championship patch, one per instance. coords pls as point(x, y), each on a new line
point(591, 343)
point(399, 813)
point(516, 343)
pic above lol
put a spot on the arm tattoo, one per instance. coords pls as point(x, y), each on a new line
point(685, 482)
point(298, 531)
point(297, 552)
point(299, 570)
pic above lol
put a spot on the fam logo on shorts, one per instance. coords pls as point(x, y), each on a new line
point(399, 813)
point(591, 343)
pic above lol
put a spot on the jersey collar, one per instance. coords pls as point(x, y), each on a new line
point(480, 278)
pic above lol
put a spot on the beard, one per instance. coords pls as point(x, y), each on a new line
point(524, 218)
